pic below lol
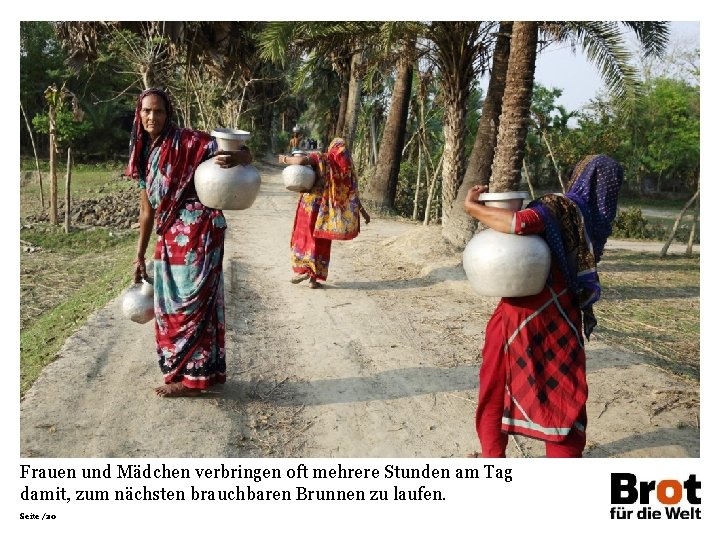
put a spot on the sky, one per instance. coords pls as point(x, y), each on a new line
point(579, 80)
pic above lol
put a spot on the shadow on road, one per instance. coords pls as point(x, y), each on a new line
point(387, 385)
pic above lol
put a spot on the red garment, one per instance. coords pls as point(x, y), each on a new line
point(308, 253)
point(338, 217)
point(532, 379)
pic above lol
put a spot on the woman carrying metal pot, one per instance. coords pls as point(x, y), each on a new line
point(188, 254)
point(532, 377)
point(329, 211)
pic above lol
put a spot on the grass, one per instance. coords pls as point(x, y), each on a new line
point(62, 284)
point(86, 182)
point(652, 306)
point(670, 205)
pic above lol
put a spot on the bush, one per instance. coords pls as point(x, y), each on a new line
point(631, 223)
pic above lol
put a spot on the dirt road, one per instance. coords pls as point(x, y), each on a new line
point(382, 362)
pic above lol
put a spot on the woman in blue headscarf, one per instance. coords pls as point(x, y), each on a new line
point(532, 377)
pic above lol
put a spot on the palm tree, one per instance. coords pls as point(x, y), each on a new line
point(515, 115)
point(343, 43)
point(604, 45)
point(460, 51)
point(381, 188)
point(459, 227)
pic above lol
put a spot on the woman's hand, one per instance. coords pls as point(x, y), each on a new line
point(140, 270)
point(233, 158)
point(474, 193)
point(282, 158)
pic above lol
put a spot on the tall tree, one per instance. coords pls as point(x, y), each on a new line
point(459, 227)
point(604, 45)
point(460, 51)
point(340, 42)
point(381, 188)
point(517, 99)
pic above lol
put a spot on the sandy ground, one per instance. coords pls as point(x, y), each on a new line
point(381, 362)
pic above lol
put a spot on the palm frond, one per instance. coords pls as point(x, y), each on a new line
point(604, 45)
point(652, 35)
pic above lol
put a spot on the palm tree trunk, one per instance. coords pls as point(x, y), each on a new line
point(453, 156)
point(459, 227)
point(354, 95)
point(343, 100)
point(381, 189)
point(457, 43)
point(515, 115)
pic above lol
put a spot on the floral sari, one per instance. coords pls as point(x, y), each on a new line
point(329, 211)
point(188, 278)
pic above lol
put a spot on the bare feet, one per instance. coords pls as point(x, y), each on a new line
point(298, 278)
point(176, 389)
point(314, 284)
point(474, 455)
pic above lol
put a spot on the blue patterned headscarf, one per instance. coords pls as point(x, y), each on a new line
point(594, 187)
point(577, 239)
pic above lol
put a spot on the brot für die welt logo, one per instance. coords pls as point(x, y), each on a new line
point(679, 499)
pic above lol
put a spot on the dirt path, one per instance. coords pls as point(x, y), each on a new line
point(382, 362)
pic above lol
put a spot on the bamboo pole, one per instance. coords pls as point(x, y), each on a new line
point(67, 191)
point(663, 251)
point(37, 162)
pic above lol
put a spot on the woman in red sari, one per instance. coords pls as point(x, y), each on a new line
point(188, 254)
point(532, 377)
point(329, 211)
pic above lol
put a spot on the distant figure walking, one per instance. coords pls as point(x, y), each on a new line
point(329, 211)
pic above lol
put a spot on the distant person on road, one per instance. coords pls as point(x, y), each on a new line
point(532, 377)
point(294, 143)
point(188, 254)
point(329, 211)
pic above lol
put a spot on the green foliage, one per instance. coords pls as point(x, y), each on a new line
point(68, 129)
point(282, 139)
point(659, 141)
point(630, 223)
point(549, 125)
point(75, 242)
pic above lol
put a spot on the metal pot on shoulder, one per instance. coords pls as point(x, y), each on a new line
point(504, 264)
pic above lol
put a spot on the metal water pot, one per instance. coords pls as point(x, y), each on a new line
point(235, 188)
point(138, 303)
point(298, 178)
point(504, 264)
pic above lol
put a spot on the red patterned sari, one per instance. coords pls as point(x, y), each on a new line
point(532, 378)
point(188, 278)
point(329, 211)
